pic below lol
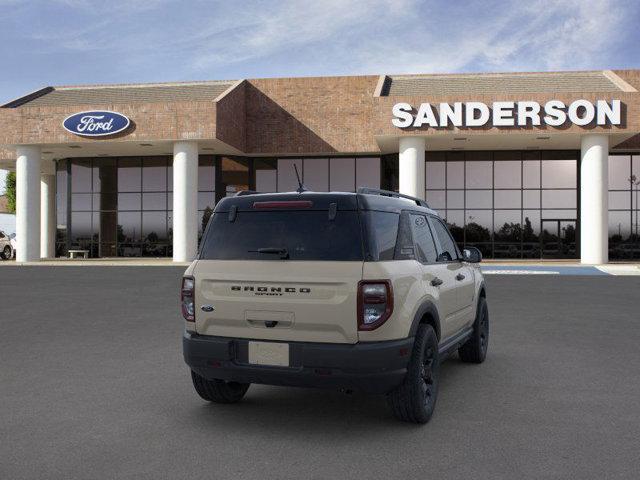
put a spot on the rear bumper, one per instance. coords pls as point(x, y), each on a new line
point(374, 367)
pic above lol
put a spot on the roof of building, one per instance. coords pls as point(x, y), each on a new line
point(433, 85)
point(141, 93)
point(503, 83)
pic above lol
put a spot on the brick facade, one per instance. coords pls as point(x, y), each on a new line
point(287, 116)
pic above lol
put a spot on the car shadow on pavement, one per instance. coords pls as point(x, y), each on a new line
point(291, 410)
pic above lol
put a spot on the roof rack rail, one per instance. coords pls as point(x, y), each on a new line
point(242, 193)
point(389, 193)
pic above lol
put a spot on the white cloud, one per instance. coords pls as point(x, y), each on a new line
point(164, 39)
point(541, 35)
point(291, 25)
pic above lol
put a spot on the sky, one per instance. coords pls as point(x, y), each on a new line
point(71, 42)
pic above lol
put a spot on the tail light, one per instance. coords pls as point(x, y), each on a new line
point(187, 299)
point(375, 303)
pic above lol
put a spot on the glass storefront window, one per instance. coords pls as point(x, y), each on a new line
point(154, 174)
point(342, 174)
point(316, 174)
point(154, 201)
point(531, 174)
point(435, 172)
point(129, 174)
point(559, 174)
point(507, 174)
point(531, 198)
point(266, 175)
point(478, 199)
point(505, 197)
point(367, 172)
point(455, 198)
point(559, 199)
point(455, 174)
point(479, 174)
point(80, 175)
point(624, 201)
point(619, 172)
point(437, 199)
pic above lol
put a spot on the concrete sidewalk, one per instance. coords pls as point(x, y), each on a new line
point(99, 262)
point(490, 267)
point(493, 267)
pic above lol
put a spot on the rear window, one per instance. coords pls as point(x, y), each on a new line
point(304, 234)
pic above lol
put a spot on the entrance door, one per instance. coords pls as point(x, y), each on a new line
point(558, 238)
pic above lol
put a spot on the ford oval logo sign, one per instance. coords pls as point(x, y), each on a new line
point(96, 124)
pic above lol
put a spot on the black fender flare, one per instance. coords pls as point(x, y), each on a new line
point(482, 290)
point(427, 307)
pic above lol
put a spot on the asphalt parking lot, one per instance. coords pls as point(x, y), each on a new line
point(92, 385)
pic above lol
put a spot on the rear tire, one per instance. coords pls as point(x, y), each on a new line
point(475, 349)
point(415, 400)
point(219, 391)
point(7, 253)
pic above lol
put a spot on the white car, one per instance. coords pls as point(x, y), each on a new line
point(14, 243)
point(7, 245)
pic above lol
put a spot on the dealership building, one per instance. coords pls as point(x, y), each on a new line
point(521, 165)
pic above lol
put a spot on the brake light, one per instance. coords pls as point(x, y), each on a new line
point(375, 303)
point(187, 299)
point(284, 204)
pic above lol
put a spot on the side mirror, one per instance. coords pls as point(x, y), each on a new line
point(471, 255)
point(444, 257)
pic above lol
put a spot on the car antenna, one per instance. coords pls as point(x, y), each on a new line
point(301, 187)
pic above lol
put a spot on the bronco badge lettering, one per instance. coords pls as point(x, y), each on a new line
point(262, 290)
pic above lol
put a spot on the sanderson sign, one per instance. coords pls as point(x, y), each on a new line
point(96, 123)
point(507, 114)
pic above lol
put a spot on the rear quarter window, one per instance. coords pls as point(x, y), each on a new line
point(382, 234)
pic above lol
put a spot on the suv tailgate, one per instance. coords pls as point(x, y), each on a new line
point(305, 301)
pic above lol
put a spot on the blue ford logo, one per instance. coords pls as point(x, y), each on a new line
point(96, 124)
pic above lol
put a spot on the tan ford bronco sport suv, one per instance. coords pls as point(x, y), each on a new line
point(356, 291)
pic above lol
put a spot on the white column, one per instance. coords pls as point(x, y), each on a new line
point(28, 203)
point(185, 201)
point(47, 215)
point(411, 160)
point(594, 209)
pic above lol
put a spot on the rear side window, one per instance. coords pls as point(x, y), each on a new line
point(424, 246)
point(447, 250)
point(382, 228)
point(305, 235)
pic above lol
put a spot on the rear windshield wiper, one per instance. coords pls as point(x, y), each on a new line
point(284, 254)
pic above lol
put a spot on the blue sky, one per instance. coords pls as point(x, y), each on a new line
point(70, 42)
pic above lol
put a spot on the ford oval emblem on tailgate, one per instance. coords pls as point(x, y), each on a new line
point(207, 308)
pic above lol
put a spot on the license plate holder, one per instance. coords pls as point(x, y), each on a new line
point(274, 354)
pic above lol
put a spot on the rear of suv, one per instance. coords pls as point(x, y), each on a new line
point(356, 291)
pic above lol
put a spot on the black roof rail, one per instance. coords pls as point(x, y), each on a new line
point(242, 193)
point(389, 193)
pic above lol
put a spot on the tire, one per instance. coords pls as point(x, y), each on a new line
point(415, 400)
point(7, 254)
point(475, 349)
point(218, 391)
